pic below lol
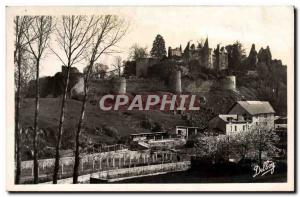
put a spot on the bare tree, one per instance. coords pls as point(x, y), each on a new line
point(99, 71)
point(118, 65)
point(110, 30)
point(27, 73)
point(40, 29)
point(74, 35)
point(21, 23)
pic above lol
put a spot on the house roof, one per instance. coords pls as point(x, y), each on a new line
point(234, 118)
point(257, 107)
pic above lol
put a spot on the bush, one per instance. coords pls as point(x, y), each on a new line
point(157, 127)
point(147, 123)
point(111, 131)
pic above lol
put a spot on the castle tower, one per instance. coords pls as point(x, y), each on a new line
point(206, 55)
point(178, 82)
point(119, 85)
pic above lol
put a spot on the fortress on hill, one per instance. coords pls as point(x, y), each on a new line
point(202, 55)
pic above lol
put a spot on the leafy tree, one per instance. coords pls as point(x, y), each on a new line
point(158, 48)
point(242, 143)
point(201, 118)
point(263, 139)
point(215, 147)
point(137, 52)
point(158, 127)
point(236, 55)
point(271, 85)
point(252, 58)
point(163, 70)
point(265, 56)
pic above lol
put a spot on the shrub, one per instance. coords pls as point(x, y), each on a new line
point(111, 131)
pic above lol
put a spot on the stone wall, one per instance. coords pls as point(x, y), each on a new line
point(194, 86)
point(138, 85)
point(132, 85)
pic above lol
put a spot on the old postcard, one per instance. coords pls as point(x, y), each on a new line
point(162, 98)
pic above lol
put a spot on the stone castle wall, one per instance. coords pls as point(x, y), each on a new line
point(129, 85)
point(122, 86)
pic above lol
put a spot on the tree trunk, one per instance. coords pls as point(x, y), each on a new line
point(80, 123)
point(35, 136)
point(60, 128)
point(17, 126)
point(260, 148)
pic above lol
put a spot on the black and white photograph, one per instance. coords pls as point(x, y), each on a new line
point(150, 98)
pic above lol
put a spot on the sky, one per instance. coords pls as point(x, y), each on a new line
point(263, 26)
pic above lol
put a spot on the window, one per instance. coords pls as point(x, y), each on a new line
point(235, 128)
point(265, 115)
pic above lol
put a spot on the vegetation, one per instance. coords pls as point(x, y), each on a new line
point(21, 25)
point(248, 144)
point(86, 39)
point(236, 56)
point(108, 30)
point(99, 69)
point(129, 69)
point(37, 36)
point(118, 65)
point(158, 48)
point(136, 52)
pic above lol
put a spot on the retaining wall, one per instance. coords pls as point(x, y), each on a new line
point(126, 173)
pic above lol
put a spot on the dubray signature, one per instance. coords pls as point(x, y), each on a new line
point(268, 167)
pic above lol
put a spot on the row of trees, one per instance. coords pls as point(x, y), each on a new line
point(76, 39)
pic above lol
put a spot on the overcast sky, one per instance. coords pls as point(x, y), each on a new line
point(271, 26)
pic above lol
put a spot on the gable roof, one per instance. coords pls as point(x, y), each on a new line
point(234, 118)
point(256, 107)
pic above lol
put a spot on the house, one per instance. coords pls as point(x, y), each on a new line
point(229, 124)
point(242, 116)
point(257, 112)
point(148, 136)
point(186, 132)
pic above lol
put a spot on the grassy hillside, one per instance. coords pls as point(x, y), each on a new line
point(124, 123)
point(109, 127)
